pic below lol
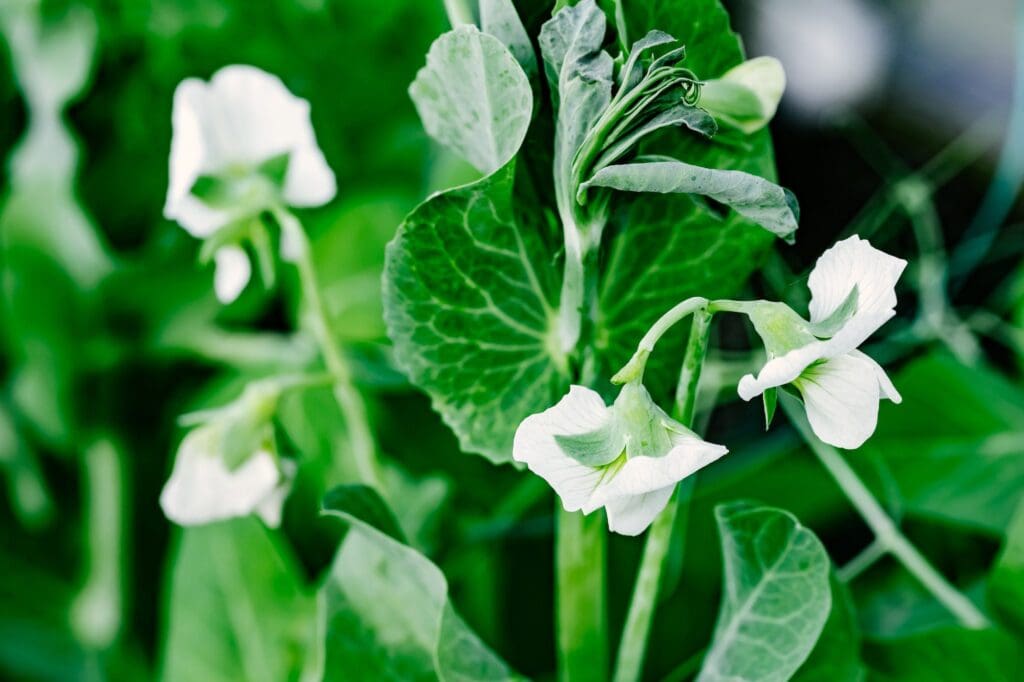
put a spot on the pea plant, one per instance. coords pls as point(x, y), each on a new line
point(576, 308)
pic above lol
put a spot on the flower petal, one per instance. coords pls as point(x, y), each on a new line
point(632, 515)
point(885, 387)
point(641, 475)
point(231, 274)
point(781, 370)
point(854, 262)
point(580, 411)
point(310, 181)
point(202, 489)
point(841, 398)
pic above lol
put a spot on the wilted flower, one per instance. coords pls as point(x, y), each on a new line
point(228, 466)
point(241, 144)
point(626, 458)
point(853, 293)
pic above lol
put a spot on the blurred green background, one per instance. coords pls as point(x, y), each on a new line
point(110, 331)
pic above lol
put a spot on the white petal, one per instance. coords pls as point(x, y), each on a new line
point(202, 489)
point(580, 411)
point(310, 181)
point(781, 370)
point(632, 515)
point(841, 397)
point(854, 262)
point(231, 274)
point(641, 475)
point(270, 507)
point(251, 116)
point(885, 387)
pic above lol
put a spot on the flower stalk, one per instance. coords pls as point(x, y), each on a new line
point(350, 401)
point(633, 646)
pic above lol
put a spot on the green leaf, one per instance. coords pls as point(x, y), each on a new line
point(836, 656)
point(237, 609)
point(474, 98)
point(748, 95)
point(948, 654)
point(952, 449)
point(500, 19)
point(771, 401)
point(776, 596)
point(681, 115)
point(363, 503)
point(387, 611)
point(765, 203)
point(468, 304)
point(580, 75)
point(1005, 594)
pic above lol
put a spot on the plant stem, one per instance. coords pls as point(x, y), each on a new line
point(887, 533)
point(459, 12)
point(862, 562)
point(350, 401)
point(96, 610)
point(581, 619)
point(633, 647)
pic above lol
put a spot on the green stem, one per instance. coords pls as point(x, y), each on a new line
point(887, 533)
point(459, 12)
point(96, 610)
point(350, 401)
point(581, 618)
point(862, 562)
point(633, 647)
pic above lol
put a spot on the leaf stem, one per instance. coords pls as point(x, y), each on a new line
point(887, 533)
point(459, 12)
point(581, 617)
point(633, 647)
point(350, 401)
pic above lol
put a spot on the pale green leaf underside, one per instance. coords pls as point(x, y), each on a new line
point(500, 19)
point(467, 301)
point(237, 609)
point(387, 615)
point(474, 98)
point(753, 197)
point(775, 599)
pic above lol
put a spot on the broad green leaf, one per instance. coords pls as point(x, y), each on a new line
point(500, 19)
point(237, 608)
point(765, 203)
point(953, 449)
point(468, 304)
point(776, 596)
point(474, 98)
point(948, 654)
point(387, 614)
point(1005, 594)
point(836, 656)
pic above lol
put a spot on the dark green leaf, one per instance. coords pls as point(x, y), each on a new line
point(947, 655)
point(364, 504)
point(468, 304)
point(1006, 584)
point(836, 656)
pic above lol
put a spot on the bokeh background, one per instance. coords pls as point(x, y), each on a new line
point(903, 122)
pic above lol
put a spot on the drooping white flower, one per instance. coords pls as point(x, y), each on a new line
point(853, 293)
point(626, 458)
point(227, 465)
point(232, 272)
point(203, 489)
point(241, 143)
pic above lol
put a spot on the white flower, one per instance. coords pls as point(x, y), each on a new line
point(853, 293)
point(232, 272)
point(227, 465)
point(203, 489)
point(626, 458)
point(241, 144)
